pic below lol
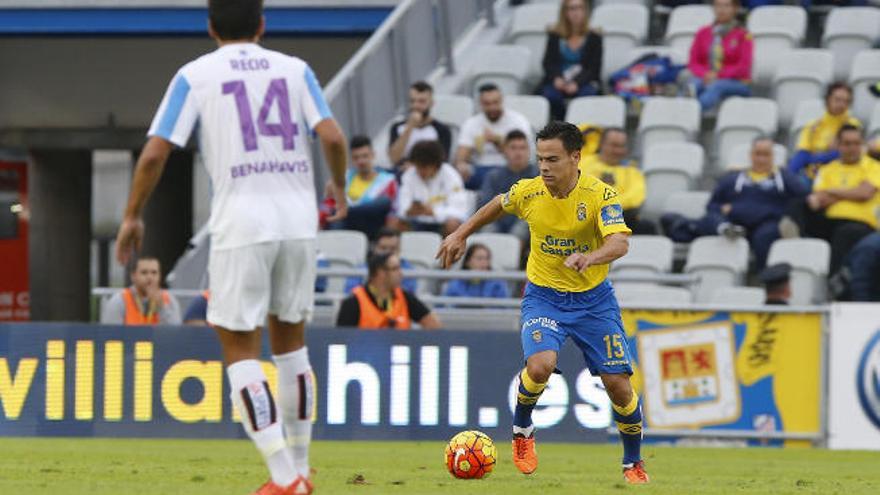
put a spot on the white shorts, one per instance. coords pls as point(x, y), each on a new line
point(249, 282)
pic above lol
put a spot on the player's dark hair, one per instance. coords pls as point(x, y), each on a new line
point(377, 262)
point(835, 86)
point(421, 87)
point(145, 257)
point(848, 128)
point(359, 141)
point(762, 137)
point(569, 134)
point(485, 88)
point(235, 19)
point(427, 153)
point(469, 253)
point(515, 134)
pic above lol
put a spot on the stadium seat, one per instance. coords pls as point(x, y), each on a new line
point(342, 248)
point(623, 27)
point(807, 111)
point(536, 109)
point(528, 28)
point(742, 119)
point(452, 109)
point(801, 75)
point(873, 124)
point(419, 248)
point(849, 30)
point(719, 262)
point(669, 168)
point(745, 296)
point(647, 255)
point(506, 249)
point(646, 3)
point(776, 30)
point(666, 120)
point(739, 156)
point(604, 111)
point(631, 295)
point(690, 204)
point(507, 66)
point(865, 72)
point(810, 260)
point(683, 24)
point(677, 56)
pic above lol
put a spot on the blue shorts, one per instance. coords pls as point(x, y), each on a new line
point(591, 319)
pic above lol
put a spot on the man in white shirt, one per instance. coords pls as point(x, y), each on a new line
point(255, 109)
point(481, 140)
point(418, 126)
point(432, 196)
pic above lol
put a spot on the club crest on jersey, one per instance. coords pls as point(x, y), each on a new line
point(536, 336)
point(612, 214)
point(582, 212)
point(608, 194)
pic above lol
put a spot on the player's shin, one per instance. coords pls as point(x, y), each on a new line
point(629, 424)
point(528, 393)
point(259, 416)
point(296, 401)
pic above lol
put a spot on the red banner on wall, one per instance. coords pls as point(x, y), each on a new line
point(14, 278)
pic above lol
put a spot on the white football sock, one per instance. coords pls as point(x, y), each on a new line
point(259, 416)
point(296, 401)
point(526, 432)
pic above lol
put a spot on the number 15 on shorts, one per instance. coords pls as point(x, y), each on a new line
point(614, 346)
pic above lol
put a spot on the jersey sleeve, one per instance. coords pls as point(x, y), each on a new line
point(511, 201)
point(610, 217)
point(177, 114)
point(873, 174)
point(314, 106)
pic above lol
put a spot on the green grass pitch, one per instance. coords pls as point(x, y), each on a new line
point(219, 467)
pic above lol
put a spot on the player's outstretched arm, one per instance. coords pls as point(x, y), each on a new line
point(454, 245)
point(147, 173)
point(613, 246)
point(334, 147)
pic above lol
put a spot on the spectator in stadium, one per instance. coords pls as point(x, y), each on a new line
point(777, 281)
point(612, 167)
point(748, 203)
point(841, 208)
point(370, 191)
point(431, 196)
point(419, 125)
point(573, 57)
point(477, 257)
point(863, 269)
point(382, 303)
point(144, 302)
point(482, 136)
point(387, 242)
point(816, 144)
point(499, 180)
point(720, 63)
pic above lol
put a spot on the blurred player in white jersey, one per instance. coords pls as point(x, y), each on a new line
point(255, 109)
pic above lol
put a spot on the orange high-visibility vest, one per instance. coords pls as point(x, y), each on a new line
point(133, 313)
point(373, 317)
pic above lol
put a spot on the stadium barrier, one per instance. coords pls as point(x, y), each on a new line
point(755, 376)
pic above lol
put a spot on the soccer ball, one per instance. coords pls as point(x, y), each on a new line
point(470, 455)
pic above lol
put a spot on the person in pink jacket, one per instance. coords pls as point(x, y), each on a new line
point(720, 63)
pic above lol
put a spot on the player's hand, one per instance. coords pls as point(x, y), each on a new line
point(129, 239)
point(415, 119)
point(465, 170)
point(578, 261)
point(341, 212)
point(451, 250)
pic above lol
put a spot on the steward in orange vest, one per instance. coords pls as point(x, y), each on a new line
point(143, 303)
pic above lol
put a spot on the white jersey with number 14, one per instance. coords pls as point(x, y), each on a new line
point(255, 108)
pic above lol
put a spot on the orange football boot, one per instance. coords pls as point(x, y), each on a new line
point(636, 474)
point(524, 456)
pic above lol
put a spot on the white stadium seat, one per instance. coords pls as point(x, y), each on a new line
point(849, 30)
point(801, 75)
point(675, 55)
point(745, 296)
point(719, 262)
point(452, 109)
point(506, 249)
point(776, 30)
point(666, 120)
point(647, 255)
point(419, 248)
point(669, 168)
point(739, 156)
point(865, 72)
point(528, 28)
point(873, 124)
point(632, 295)
point(742, 119)
point(623, 27)
point(684, 22)
point(807, 111)
point(604, 111)
point(507, 66)
point(342, 248)
point(690, 204)
point(536, 109)
point(810, 260)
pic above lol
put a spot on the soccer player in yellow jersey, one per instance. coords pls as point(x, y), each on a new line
point(577, 229)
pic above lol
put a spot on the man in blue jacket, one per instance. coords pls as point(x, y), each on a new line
point(747, 203)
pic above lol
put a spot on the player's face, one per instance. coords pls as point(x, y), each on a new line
point(145, 275)
point(481, 259)
point(614, 148)
point(517, 153)
point(557, 166)
point(420, 101)
point(838, 101)
point(393, 273)
point(575, 12)
point(725, 11)
point(850, 147)
point(427, 172)
point(387, 245)
point(492, 104)
point(762, 156)
point(362, 158)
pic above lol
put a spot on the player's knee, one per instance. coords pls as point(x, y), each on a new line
point(540, 370)
point(619, 389)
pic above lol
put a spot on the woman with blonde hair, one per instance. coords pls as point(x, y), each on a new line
point(573, 57)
